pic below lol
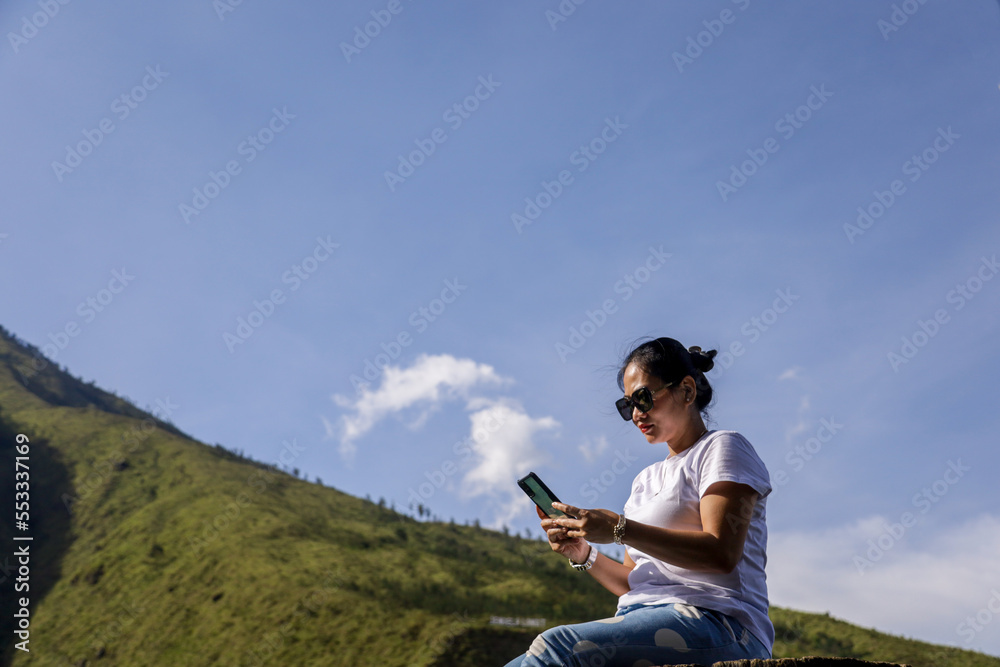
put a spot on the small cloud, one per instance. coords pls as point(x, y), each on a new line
point(429, 382)
point(791, 374)
point(801, 425)
point(796, 429)
point(592, 450)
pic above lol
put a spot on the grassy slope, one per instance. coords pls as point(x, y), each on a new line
point(187, 555)
point(799, 633)
point(184, 554)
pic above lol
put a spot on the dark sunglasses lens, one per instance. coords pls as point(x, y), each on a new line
point(643, 399)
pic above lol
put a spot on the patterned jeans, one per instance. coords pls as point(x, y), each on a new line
point(643, 636)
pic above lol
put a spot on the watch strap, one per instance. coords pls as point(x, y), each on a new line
point(587, 564)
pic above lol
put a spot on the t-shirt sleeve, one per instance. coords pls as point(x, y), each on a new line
point(729, 457)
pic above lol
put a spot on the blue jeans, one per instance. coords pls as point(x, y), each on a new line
point(642, 635)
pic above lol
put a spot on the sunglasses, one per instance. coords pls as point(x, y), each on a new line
point(641, 398)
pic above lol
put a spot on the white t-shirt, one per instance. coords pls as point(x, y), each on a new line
point(668, 494)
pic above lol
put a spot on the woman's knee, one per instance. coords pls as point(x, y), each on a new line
point(594, 643)
point(539, 644)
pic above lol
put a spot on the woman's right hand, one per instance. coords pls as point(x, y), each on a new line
point(575, 548)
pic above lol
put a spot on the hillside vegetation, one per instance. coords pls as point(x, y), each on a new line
point(151, 548)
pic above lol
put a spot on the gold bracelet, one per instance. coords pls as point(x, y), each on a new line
point(619, 532)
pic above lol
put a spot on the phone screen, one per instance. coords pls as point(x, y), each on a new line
point(540, 494)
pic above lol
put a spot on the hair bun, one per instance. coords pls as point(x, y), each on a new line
point(702, 360)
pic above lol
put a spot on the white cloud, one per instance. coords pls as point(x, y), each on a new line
point(791, 373)
point(592, 450)
point(503, 442)
point(923, 593)
point(802, 424)
point(431, 380)
point(501, 434)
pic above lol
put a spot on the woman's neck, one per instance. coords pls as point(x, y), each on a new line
point(689, 437)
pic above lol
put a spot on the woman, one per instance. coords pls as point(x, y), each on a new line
point(692, 588)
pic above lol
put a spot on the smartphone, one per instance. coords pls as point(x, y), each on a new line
point(540, 494)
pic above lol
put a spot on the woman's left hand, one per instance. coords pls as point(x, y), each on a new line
point(597, 526)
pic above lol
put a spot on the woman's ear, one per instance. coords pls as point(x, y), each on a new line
point(689, 391)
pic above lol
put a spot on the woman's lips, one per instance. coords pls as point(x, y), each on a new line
point(645, 427)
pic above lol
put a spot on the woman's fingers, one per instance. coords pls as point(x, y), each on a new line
point(568, 509)
point(556, 533)
point(595, 525)
point(565, 529)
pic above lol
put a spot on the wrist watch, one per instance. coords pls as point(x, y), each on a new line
point(587, 564)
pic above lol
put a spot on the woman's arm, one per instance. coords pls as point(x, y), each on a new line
point(726, 509)
point(611, 574)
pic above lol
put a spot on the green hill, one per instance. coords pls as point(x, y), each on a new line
point(150, 548)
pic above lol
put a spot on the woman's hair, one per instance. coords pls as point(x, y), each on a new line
point(668, 360)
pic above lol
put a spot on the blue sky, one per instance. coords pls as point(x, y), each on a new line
point(234, 213)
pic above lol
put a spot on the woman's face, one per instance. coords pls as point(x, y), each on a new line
point(668, 418)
